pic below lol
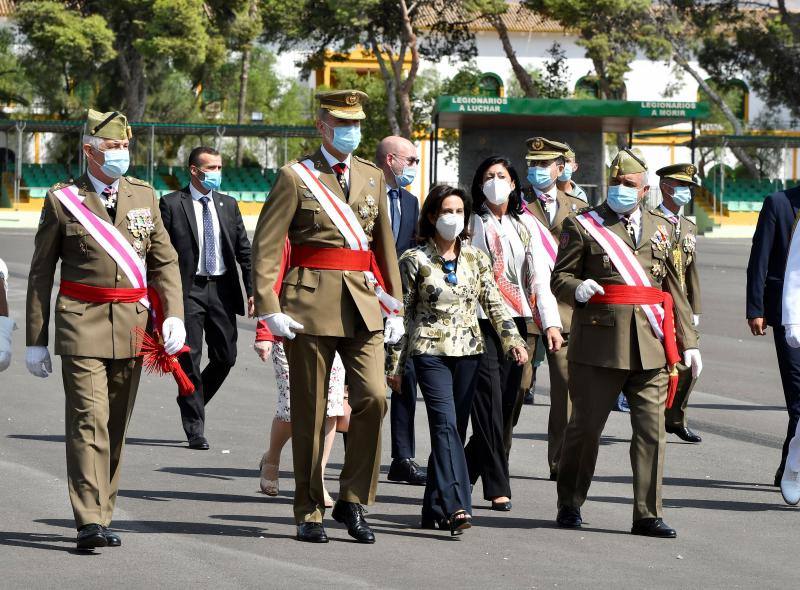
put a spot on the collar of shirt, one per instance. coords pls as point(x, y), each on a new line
point(196, 194)
point(551, 194)
point(635, 217)
point(669, 213)
point(331, 160)
point(100, 186)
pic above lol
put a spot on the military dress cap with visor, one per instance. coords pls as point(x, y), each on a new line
point(682, 172)
point(111, 125)
point(627, 161)
point(344, 104)
point(541, 148)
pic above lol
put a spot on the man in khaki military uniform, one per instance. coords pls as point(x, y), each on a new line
point(551, 206)
point(677, 183)
point(613, 346)
point(565, 182)
point(328, 303)
point(98, 310)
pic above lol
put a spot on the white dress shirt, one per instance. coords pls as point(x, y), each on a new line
point(100, 186)
point(551, 208)
point(514, 254)
point(636, 221)
point(198, 215)
point(332, 160)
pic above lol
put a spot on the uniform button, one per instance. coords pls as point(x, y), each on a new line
point(119, 277)
point(317, 210)
point(62, 307)
point(636, 252)
point(347, 273)
point(594, 321)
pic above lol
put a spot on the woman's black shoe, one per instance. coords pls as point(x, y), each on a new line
point(501, 506)
point(460, 521)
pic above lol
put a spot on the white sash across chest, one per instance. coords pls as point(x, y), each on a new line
point(540, 230)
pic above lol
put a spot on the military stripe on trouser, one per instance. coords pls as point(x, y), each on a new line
point(310, 360)
point(594, 391)
point(99, 398)
point(676, 415)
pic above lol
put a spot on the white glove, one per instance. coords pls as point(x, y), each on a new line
point(586, 290)
point(394, 330)
point(695, 320)
point(174, 333)
point(7, 325)
point(38, 361)
point(691, 358)
point(281, 325)
point(793, 335)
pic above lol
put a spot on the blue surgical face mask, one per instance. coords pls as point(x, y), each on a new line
point(346, 138)
point(681, 195)
point(212, 180)
point(407, 176)
point(116, 162)
point(540, 177)
point(621, 198)
point(567, 174)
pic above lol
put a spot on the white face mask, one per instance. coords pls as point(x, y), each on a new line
point(450, 225)
point(497, 190)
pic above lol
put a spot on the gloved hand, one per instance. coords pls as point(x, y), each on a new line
point(7, 325)
point(394, 330)
point(174, 333)
point(793, 335)
point(695, 320)
point(691, 358)
point(587, 289)
point(37, 358)
point(281, 325)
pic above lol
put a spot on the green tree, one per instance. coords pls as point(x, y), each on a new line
point(14, 84)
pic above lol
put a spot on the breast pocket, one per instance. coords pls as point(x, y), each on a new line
point(598, 260)
point(307, 216)
point(594, 316)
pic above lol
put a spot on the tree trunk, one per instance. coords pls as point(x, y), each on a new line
point(713, 95)
point(522, 75)
point(247, 51)
point(389, 83)
point(132, 70)
point(406, 87)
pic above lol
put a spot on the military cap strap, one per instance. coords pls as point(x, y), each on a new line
point(105, 122)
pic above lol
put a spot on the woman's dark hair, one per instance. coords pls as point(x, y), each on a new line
point(432, 206)
point(514, 199)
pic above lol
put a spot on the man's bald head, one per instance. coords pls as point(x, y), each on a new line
point(393, 154)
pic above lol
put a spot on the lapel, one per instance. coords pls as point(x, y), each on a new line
point(188, 209)
point(358, 181)
point(222, 214)
point(327, 176)
point(564, 209)
point(613, 222)
point(406, 213)
point(91, 200)
point(649, 227)
point(124, 202)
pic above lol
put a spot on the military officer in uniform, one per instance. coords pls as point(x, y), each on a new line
point(98, 309)
point(565, 182)
point(551, 207)
point(677, 183)
point(611, 265)
point(328, 303)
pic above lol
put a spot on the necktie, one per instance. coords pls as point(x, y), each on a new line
point(340, 170)
point(547, 205)
point(209, 245)
point(111, 201)
point(394, 201)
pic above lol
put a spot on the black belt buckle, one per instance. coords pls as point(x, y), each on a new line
point(203, 279)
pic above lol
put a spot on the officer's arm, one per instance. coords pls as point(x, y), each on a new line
point(242, 247)
point(383, 245)
point(162, 267)
point(269, 239)
point(693, 286)
point(46, 252)
point(759, 259)
point(568, 270)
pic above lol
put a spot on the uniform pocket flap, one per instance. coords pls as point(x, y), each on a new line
point(309, 278)
point(595, 248)
point(69, 305)
point(74, 229)
point(427, 332)
point(599, 317)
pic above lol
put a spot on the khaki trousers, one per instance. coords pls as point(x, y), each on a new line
point(99, 395)
point(560, 405)
point(676, 415)
point(310, 358)
point(594, 391)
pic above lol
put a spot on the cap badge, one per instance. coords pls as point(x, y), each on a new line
point(351, 99)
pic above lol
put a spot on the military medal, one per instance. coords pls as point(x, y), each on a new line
point(140, 224)
point(689, 243)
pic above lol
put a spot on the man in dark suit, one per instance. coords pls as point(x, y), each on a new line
point(397, 158)
point(765, 273)
point(207, 231)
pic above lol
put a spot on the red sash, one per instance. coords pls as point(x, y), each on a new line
point(93, 294)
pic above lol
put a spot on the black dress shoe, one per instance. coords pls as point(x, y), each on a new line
point(528, 399)
point(352, 516)
point(91, 536)
point(199, 444)
point(778, 478)
point(501, 506)
point(112, 539)
point(311, 532)
point(406, 470)
point(653, 527)
point(554, 476)
point(684, 433)
point(569, 517)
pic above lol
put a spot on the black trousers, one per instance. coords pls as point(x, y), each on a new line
point(401, 417)
point(492, 413)
point(447, 384)
point(789, 367)
point(205, 313)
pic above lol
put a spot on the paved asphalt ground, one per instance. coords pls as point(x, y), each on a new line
point(194, 519)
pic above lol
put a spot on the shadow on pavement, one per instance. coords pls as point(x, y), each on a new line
point(42, 541)
point(167, 495)
point(59, 438)
point(729, 505)
point(696, 483)
point(224, 473)
point(212, 529)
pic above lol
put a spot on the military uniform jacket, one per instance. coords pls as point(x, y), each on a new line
point(615, 336)
point(326, 302)
point(683, 278)
point(99, 330)
point(567, 207)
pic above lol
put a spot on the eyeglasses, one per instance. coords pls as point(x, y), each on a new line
point(449, 267)
point(410, 160)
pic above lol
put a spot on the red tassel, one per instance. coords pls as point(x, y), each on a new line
point(156, 360)
point(672, 388)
